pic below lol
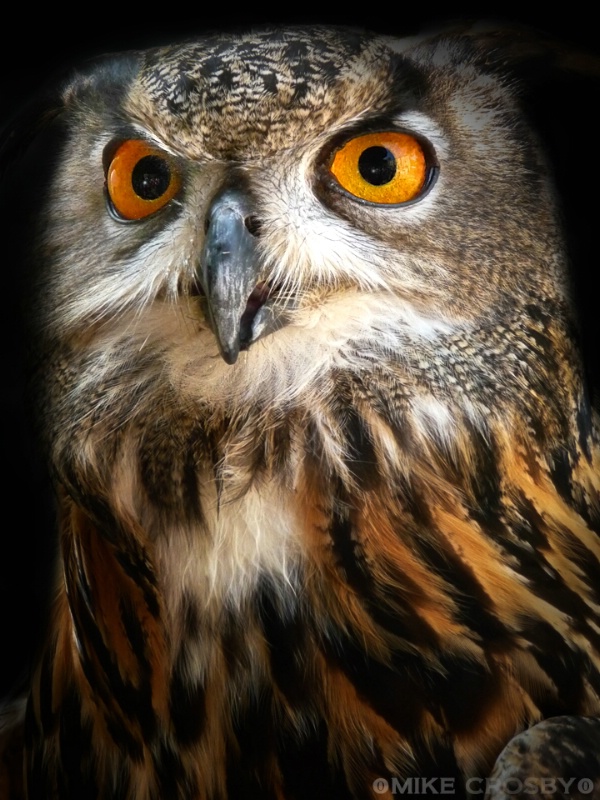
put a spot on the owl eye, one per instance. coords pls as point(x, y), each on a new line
point(386, 167)
point(140, 179)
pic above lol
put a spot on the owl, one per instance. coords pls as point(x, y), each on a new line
point(318, 407)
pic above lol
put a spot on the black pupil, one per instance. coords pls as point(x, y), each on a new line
point(151, 177)
point(377, 165)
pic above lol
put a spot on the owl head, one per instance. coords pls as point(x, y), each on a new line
point(263, 208)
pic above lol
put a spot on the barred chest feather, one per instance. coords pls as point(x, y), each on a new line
point(382, 588)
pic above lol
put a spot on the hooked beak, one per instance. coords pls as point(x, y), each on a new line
point(230, 270)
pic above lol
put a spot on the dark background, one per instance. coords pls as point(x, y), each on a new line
point(49, 39)
point(44, 43)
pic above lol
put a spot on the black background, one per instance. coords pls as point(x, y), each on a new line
point(35, 44)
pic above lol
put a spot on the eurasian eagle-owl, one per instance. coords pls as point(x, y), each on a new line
point(308, 376)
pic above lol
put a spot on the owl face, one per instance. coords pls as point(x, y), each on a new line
point(297, 137)
point(261, 209)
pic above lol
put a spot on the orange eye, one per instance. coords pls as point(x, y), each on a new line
point(388, 167)
point(140, 179)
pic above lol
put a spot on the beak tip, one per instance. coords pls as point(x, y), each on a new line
point(230, 354)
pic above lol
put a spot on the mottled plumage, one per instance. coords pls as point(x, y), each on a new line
point(327, 467)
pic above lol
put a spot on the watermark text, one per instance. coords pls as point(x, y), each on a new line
point(479, 786)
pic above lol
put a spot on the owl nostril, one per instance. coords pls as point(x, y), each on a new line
point(253, 225)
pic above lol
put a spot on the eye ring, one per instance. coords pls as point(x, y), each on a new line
point(382, 167)
point(140, 180)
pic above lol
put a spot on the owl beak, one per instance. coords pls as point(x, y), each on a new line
point(230, 270)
